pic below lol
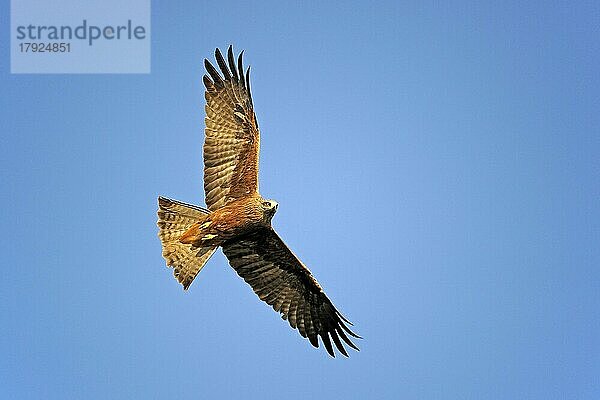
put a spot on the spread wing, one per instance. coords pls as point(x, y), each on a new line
point(280, 279)
point(232, 137)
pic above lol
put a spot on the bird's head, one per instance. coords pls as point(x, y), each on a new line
point(269, 208)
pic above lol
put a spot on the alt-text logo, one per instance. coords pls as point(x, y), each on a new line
point(85, 31)
point(70, 36)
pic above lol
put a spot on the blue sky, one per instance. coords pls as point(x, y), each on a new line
point(437, 168)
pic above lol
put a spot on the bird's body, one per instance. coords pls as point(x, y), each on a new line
point(230, 221)
point(238, 218)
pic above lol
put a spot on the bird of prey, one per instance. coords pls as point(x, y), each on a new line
point(238, 218)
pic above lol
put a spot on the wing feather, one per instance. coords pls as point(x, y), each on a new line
point(280, 279)
point(232, 137)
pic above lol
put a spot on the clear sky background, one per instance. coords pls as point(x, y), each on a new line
point(437, 168)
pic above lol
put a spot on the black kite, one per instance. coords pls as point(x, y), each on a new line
point(239, 220)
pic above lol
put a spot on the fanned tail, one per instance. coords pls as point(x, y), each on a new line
point(174, 218)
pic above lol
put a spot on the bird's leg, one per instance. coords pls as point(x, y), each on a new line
point(198, 233)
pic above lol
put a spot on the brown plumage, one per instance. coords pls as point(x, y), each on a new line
point(239, 220)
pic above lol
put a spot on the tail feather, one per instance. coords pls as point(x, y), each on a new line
point(174, 218)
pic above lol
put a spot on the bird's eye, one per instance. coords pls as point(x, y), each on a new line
point(267, 204)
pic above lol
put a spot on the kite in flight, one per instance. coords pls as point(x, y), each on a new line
point(239, 220)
